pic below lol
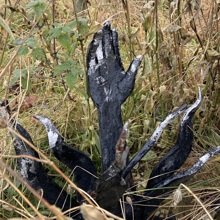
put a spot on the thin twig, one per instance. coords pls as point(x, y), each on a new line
point(198, 200)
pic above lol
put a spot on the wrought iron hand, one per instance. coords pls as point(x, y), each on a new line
point(107, 80)
point(109, 86)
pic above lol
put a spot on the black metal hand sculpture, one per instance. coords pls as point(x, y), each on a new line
point(109, 86)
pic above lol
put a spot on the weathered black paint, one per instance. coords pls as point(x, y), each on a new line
point(151, 141)
point(109, 86)
point(83, 169)
point(175, 158)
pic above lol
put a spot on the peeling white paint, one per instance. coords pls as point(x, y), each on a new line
point(27, 165)
point(191, 108)
point(52, 138)
point(43, 120)
point(204, 158)
point(100, 80)
point(157, 133)
point(24, 168)
point(92, 63)
point(107, 93)
point(99, 52)
point(133, 67)
point(139, 57)
point(52, 132)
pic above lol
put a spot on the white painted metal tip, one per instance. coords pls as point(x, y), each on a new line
point(106, 23)
point(139, 57)
point(193, 107)
point(99, 31)
point(126, 125)
point(52, 132)
point(199, 93)
point(44, 120)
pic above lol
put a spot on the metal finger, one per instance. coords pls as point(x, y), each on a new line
point(152, 140)
point(181, 150)
point(192, 109)
point(107, 41)
point(92, 50)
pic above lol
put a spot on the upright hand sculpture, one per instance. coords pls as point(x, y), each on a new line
point(109, 86)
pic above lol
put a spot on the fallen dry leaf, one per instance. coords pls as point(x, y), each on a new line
point(28, 102)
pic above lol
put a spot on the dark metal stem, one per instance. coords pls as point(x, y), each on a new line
point(110, 126)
